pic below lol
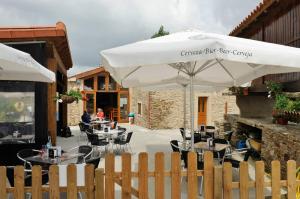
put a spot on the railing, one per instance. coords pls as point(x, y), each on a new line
point(99, 184)
point(93, 182)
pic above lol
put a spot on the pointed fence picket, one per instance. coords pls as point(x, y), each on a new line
point(101, 183)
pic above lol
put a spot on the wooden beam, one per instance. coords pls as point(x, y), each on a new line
point(52, 65)
point(64, 105)
point(251, 18)
point(90, 73)
point(61, 67)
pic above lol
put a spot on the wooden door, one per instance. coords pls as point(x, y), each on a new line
point(123, 105)
point(202, 110)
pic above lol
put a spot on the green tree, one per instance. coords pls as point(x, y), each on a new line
point(161, 32)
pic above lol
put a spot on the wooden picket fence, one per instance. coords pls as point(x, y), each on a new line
point(101, 183)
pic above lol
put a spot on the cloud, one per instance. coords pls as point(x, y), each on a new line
point(94, 25)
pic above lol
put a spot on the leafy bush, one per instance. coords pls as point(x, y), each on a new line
point(281, 102)
point(274, 88)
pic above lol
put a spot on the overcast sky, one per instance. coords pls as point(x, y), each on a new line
point(94, 25)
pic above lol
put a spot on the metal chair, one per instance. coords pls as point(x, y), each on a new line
point(182, 131)
point(126, 143)
point(95, 141)
point(95, 161)
point(82, 128)
point(84, 149)
point(210, 131)
point(220, 154)
point(175, 146)
point(22, 155)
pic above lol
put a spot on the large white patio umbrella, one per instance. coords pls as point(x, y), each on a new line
point(18, 65)
point(210, 59)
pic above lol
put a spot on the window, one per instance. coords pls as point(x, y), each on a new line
point(88, 84)
point(112, 84)
point(139, 108)
point(124, 89)
point(17, 113)
point(90, 103)
point(101, 82)
point(123, 106)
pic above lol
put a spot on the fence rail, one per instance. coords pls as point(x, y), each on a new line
point(101, 183)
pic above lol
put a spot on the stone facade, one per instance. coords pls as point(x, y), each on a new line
point(75, 110)
point(142, 97)
point(279, 142)
point(166, 107)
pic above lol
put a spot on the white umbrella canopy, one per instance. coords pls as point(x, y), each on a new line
point(18, 65)
point(210, 59)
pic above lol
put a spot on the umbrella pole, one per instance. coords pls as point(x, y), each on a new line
point(184, 111)
point(192, 110)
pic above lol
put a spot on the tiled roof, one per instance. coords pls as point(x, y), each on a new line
point(56, 34)
point(262, 7)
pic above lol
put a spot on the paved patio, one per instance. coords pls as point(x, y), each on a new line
point(150, 141)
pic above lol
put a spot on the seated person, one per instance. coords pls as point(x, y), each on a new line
point(86, 118)
point(100, 114)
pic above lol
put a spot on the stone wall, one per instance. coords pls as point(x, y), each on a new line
point(278, 142)
point(255, 106)
point(75, 110)
point(166, 107)
point(140, 96)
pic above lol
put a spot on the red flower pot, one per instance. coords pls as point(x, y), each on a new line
point(282, 121)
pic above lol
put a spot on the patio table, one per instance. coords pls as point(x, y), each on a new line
point(218, 147)
point(99, 123)
point(202, 146)
point(111, 134)
point(39, 159)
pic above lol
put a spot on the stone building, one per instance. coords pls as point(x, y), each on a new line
point(164, 109)
point(101, 91)
point(160, 109)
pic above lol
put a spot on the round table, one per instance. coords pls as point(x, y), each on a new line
point(110, 134)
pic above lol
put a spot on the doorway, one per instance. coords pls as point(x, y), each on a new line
point(202, 110)
point(108, 101)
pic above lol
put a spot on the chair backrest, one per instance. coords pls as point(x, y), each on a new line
point(94, 161)
point(210, 131)
point(86, 150)
point(90, 130)
point(81, 126)
point(182, 132)
point(24, 153)
point(228, 135)
point(174, 145)
point(92, 138)
point(197, 137)
point(202, 128)
point(184, 156)
point(221, 141)
point(128, 138)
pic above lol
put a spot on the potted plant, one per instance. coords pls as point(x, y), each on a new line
point(236, 90)
point(281, 104)
point(70, 97)
point(273, 88)
point(246, 91)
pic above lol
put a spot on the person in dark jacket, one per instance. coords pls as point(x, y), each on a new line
point(86, 118)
